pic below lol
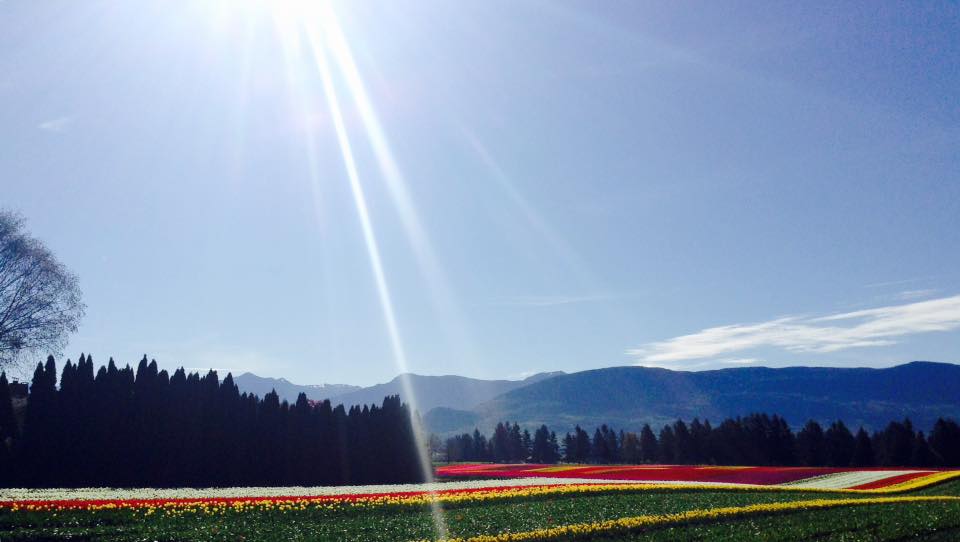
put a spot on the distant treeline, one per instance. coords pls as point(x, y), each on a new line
point(757, 439)
point(126, 429)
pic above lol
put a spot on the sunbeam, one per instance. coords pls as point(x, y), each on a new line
point(317, 21)
point(560, 247)
point(441, 294)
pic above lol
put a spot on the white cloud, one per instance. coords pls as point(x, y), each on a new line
point(872, 327)
point(739, 361)
point(58, 125)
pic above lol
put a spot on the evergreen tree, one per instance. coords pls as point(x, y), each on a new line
point(8, 423)
point(598, 447)
point(8, 433)
point(895, 444)
point(683, 451)
point(40, 443)
point(569, 448)
point(479, 447)
point(540, 449)
point(582, 442)
point(500, 443)
point(612, 442)
point(945, 443)
point(648, 445)
point(667, 445)
point(553, 449)
point(630, 451)
point(862, 450)
point(700, 441)
point(811, 445)
point(728, 444)
point(840, 445)
point(526, 443)
point(920, 456)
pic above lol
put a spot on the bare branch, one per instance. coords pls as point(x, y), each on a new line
point(40, 300)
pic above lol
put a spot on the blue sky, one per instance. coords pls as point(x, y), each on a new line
point(551, 186)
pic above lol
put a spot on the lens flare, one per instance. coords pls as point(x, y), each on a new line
point(308, 23)
point(440, 292)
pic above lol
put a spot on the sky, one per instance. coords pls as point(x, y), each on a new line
point(336, 193)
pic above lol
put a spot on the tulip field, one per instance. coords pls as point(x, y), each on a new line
point(494, 503)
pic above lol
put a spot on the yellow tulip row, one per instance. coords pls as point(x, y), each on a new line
point(917, 483)
point(639, 522)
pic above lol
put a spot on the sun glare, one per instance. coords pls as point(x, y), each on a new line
point(312, 39)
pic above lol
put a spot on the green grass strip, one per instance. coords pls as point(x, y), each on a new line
point(630, 524)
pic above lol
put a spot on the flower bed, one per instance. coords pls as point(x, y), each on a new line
point(625, 525)
point(808, 477)
point(528, 481)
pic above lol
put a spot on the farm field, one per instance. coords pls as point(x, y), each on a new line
point(559, 507)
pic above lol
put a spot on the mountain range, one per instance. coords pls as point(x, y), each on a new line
point(259, 385)
point(448, 391)
point(628, 397)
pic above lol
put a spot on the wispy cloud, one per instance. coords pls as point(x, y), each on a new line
point(823, 334)
point(897, 282)
point(738, 361)
point(910, 295)
point(549, 300)
point(57, 125)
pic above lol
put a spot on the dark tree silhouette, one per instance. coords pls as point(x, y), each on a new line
point(630, 448)
point(120, 427)
point(840, 445)
point(544, 447)
point(811, 445)
point(648, 445)
point(8, 429)
point(125, 428)
point(920, 455)
point(945, 442)
point(894, 445)
point(755, 439)
point(8, 423)
point(667, 445)
point(40, 300)
point(862, 450)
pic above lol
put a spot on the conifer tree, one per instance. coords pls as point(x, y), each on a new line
point(862, 450)
point(666, 445)
point(40, 442)
point(8, 433)
point(840, 445)
point(648, 445)
point(811, 445)
point(945, 442)
point(920, 455)
point(8, 424)
point(630, 449)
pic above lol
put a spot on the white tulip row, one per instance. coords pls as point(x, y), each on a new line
point(105, 493)
point(842, 480)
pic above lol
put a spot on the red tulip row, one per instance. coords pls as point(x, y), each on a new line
point(676, 473)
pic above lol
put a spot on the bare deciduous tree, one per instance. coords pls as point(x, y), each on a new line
point(39, 298)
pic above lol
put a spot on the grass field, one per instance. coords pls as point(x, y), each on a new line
point(520, 512)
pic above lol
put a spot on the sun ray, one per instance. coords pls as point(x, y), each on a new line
point(440, 291)
point(315, 23)
point(534, 220)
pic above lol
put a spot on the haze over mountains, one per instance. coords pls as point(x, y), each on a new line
point(259, 385)
point(448, 391)
point(628, 397)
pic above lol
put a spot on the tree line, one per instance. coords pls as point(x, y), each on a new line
point(122, 428)
point(757, 439)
